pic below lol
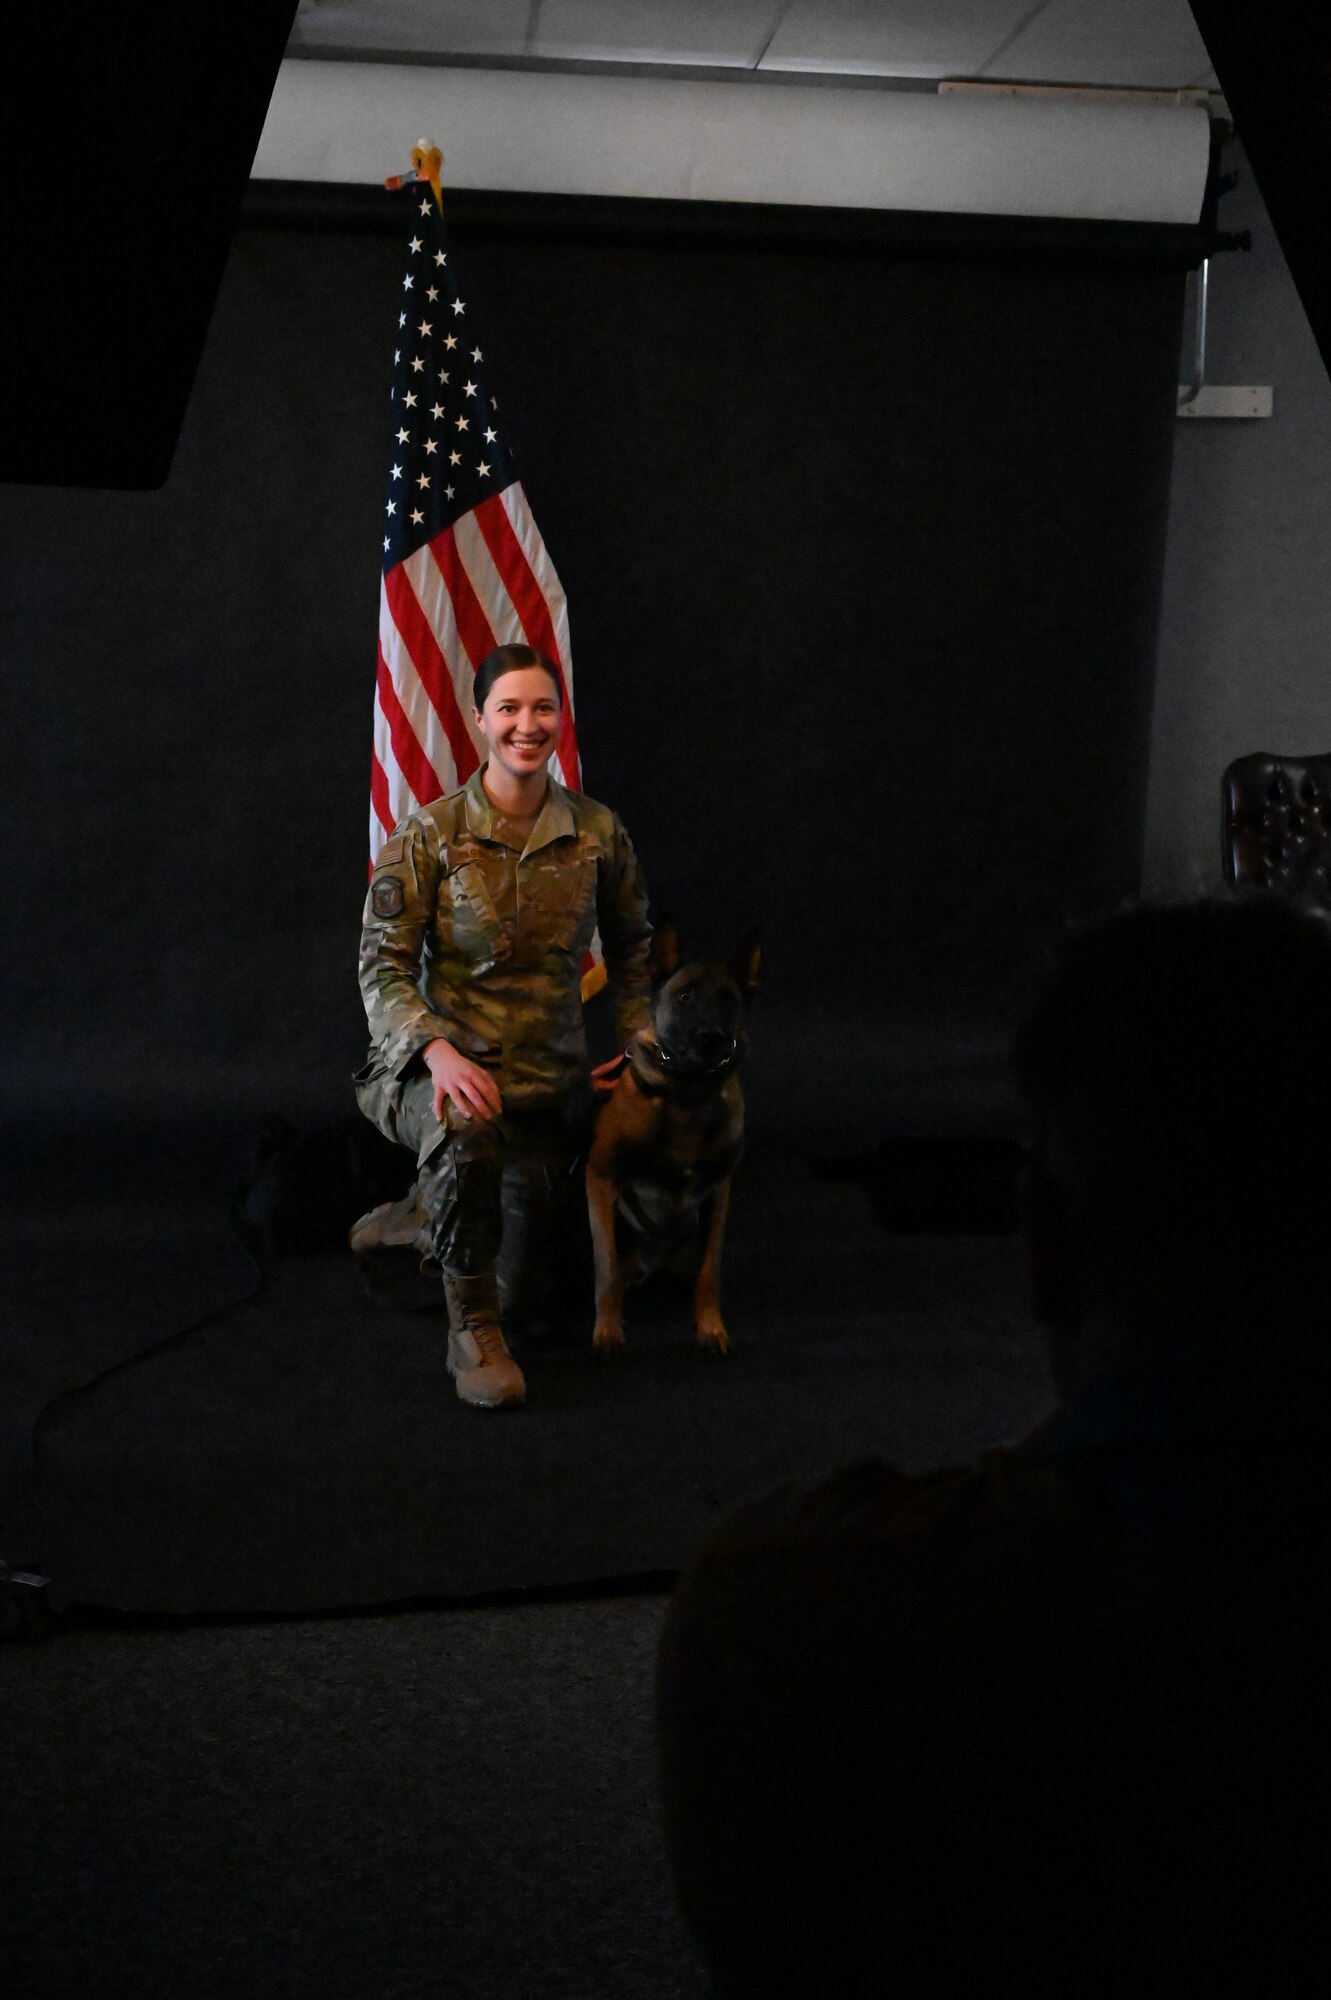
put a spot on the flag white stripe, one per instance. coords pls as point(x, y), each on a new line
point(427, 582)
point(519, 513)
point(399, 796)
point(488, 582)
point(489, 585)
point(415, 701)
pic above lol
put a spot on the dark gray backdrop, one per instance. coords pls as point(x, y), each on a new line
point(862, 538)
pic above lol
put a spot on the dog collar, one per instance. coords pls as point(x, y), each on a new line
point(647, 1076)
point(656, 1071)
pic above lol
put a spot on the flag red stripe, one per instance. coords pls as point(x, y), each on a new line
point(379, 799)
point(510, 559)
point(411, 759)
point(380, 804)
point(414, 630)
point(474, 628)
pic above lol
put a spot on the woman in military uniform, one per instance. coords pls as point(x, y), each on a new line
point(478, 917)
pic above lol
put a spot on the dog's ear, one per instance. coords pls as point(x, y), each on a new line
point(746, 964)
point(663, 958)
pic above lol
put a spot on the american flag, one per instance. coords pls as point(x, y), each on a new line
point(464, 566)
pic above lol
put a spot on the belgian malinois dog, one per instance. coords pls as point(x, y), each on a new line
point(668, 1139)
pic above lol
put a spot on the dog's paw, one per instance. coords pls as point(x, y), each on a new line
point(608, 1339)
point(711, 1337)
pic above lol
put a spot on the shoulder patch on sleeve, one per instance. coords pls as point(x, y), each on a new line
point(386, 897)
point(392, 851)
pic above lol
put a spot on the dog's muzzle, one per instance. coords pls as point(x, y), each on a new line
point(727, 1045)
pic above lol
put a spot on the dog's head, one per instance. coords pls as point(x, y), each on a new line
point(699, 1010)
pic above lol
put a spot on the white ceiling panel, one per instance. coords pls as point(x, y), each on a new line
point(1148, 44)
point(906, 38)
point(730, 33)
point(414, 27)
point(727, 32)
point(1151, 44)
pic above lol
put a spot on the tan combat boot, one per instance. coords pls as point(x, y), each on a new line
point(478, 1359)
point(394, 1224)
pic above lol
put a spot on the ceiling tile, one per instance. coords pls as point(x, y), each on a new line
point(671, 31)
point(907, 38)
point(1143, 44)
point(414, 27)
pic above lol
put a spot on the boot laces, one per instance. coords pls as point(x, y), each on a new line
point(490, 1342)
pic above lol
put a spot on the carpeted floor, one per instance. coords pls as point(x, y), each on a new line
point(450, 1803)
point(304, 1451)
point(435, 1800)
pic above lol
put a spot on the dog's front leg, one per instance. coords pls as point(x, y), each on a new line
point(608, 1337)
point(708, 1326)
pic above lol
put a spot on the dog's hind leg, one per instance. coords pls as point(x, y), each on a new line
point(708, 1326)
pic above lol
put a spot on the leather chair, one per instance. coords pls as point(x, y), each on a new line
point(1276, 825)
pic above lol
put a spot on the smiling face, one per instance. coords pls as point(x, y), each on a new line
point(520, 721)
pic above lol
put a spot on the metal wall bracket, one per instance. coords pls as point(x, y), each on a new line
point(1198, 399)
point(1213, 401)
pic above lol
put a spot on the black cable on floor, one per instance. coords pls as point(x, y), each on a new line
point(245, 1238)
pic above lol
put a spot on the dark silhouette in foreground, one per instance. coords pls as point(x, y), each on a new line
point(1055, 1721)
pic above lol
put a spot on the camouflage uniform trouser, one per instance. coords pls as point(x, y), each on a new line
point(501, 1195)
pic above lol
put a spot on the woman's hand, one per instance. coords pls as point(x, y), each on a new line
point(472, 1089)
point(607, 1074)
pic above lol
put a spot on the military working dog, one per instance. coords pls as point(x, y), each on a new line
point(668, 1139)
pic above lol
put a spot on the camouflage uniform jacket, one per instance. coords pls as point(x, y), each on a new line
point(466, 938)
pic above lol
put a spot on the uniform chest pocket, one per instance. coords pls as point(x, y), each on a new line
point(467, 902)
point(559, 885)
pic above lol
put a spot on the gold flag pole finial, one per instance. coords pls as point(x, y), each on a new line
point(426, 165)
